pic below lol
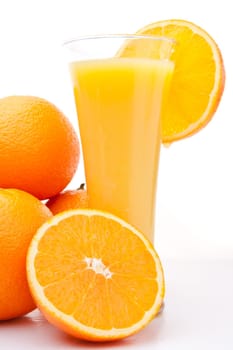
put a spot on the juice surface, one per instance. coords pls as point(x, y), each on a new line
point(119, 102)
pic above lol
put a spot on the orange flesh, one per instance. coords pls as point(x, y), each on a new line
point(198, 79)
point(123, 290)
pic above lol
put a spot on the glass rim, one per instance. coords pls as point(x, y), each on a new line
point(117, 36)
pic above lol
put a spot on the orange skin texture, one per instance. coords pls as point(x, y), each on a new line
point(70, 199)
point(21, 214)
point(39, 149)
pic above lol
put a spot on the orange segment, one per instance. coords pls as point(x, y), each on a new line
point(94, 276)
point(198, 80)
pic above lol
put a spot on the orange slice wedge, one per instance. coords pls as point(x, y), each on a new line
point(198, 81)
point(94, 276)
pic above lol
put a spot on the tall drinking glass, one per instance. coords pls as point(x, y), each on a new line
point(121, 85)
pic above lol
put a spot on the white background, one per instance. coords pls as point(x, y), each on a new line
point(195, 194)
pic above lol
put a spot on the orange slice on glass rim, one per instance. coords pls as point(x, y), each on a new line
point(198, 81)
point(94, 276)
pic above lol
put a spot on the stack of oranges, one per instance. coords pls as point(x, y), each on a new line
point(78, 265)
point(39, 153)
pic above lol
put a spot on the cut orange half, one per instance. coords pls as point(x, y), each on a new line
point(198, 79)
point(94, 276)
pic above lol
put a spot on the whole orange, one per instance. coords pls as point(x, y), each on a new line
point(21, 214)
point(70, 199)
point(39, 149)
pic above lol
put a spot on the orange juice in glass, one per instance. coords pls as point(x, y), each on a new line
point(119, 101)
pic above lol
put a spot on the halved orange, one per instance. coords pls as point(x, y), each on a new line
point(94, 276)
point(198, 79)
